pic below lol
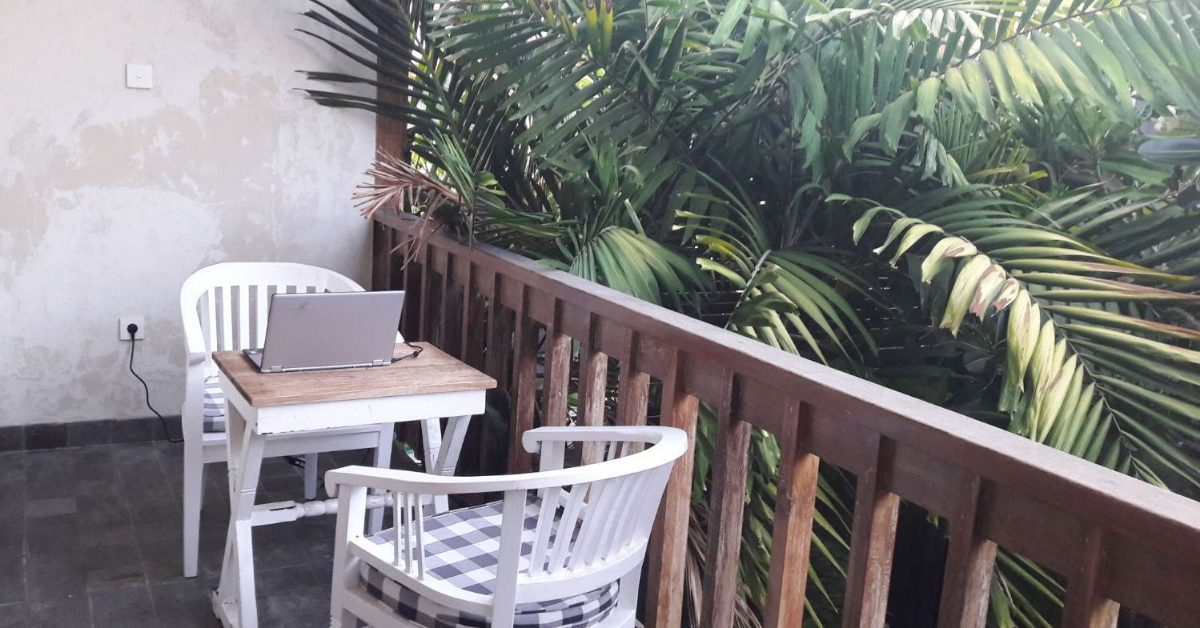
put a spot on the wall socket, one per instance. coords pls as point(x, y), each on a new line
point(123, 325)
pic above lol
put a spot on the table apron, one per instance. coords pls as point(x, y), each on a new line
point(356, 412)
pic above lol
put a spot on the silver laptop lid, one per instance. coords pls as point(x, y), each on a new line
point(331, 329)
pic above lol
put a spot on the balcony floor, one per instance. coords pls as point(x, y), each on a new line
point(90, 536)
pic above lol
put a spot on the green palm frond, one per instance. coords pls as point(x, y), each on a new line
point(1084, 368)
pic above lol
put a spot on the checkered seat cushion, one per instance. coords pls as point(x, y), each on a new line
point(214, 405)
point(461, 548)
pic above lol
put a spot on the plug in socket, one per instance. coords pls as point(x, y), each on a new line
point(123, 327)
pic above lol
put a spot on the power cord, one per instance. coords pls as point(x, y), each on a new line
point(416, 352)
point(132, 329)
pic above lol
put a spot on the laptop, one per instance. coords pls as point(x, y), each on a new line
point(329, 330)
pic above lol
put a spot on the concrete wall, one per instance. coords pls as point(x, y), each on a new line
point(111, 197)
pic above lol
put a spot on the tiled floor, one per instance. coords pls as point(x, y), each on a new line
point(90, 536)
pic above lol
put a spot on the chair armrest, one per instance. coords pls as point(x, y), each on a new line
point(532, 439)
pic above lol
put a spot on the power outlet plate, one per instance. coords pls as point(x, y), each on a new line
point(123, 327)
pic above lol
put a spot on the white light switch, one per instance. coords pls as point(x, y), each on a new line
point(139, 76)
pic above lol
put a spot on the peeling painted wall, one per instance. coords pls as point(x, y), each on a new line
point(111, 197)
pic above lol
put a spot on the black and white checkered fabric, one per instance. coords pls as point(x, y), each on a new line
point(461, 547)
point(214, 405)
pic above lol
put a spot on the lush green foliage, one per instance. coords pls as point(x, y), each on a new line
point(941, 195)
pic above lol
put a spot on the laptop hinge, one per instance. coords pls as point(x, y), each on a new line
point(379, 362)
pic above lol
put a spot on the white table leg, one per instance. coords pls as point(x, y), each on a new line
point(236, 590)
point(383, 460)
point(441, 455)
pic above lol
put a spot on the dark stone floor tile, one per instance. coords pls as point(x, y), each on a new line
point(50, 507)
point(113, 566)
point(54, 580)
point(126, 607)
point(12, 583)
point(14, 615)
point(66, 612)
point(185, 604)
point(52, 538)
point(103, 510)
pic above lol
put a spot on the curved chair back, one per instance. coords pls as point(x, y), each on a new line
point(225, 305)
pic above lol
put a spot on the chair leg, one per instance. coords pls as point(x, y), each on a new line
point(310, 476)
point(193, 483)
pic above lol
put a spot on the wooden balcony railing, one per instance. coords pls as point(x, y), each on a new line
point(1114, 539)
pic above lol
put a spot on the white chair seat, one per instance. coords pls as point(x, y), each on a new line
point(214, 405)
point(461, 547)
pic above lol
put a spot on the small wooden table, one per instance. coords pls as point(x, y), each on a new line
point(323, 405)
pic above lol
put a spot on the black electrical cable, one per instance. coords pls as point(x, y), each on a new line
point(132, 329)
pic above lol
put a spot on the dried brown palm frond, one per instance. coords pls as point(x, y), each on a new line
point(399, 187)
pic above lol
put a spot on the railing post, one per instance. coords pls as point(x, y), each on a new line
point(727, 499)
point(968, 577)
point(558, 368)
point(872, 541)
point(382, 243)
point(525, 382)
point(593, 382)
point(791, 539)
point(668, 548)
point(1085, 607)
point(633, 386)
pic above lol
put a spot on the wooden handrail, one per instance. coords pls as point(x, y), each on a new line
point(1114, 538)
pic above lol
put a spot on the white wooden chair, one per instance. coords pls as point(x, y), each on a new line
point(225, 308)
point(564, 547)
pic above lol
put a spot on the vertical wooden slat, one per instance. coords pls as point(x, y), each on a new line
point(633, 386)
point(261, 301)
point(472, 332)
point(727, 496)
point(593, 377)
point(445, 317)
point(243, 317)
point(381, 255)
point(410, 318)
point(792, 534)
point(227, 321)
point(968, 578)
point(558, 369)
point(428, 301)
point(525, 382)
point(667, 558)
point(500, 337)
point(1085, 606)
point(872, 541)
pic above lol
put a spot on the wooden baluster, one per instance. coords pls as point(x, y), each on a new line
point(558, 370)
point(727, 496)
point(633, 386)
point(667, 557)
point(872, 541)
point(525, 382)
point(500, 337)
point(428, 301)
point(969, 565)
point(1085, 606)
point(381, 256)
point(446, 321)
point(593, 383)
point(410, 320)
point(473, 332)
point(791, 538)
